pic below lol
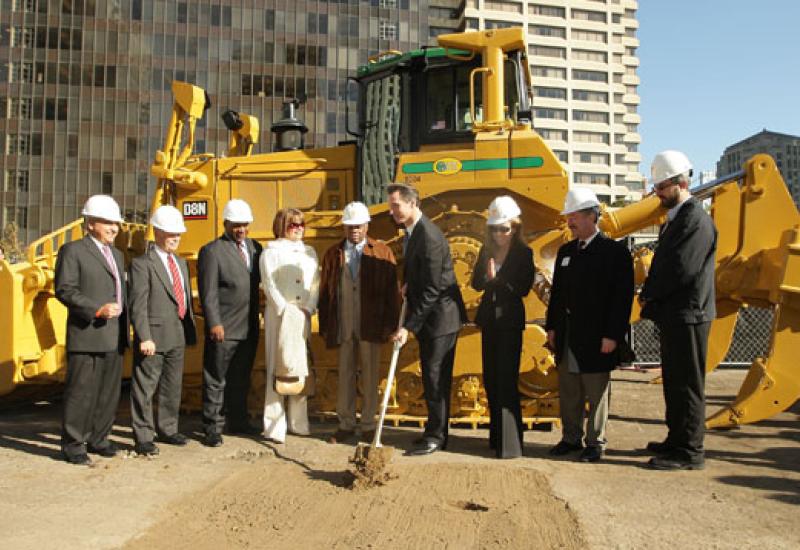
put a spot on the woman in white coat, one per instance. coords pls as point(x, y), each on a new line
point(290, 278)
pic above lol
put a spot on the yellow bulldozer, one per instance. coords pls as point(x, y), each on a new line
point(454, 121)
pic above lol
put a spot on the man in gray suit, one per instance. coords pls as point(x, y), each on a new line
point(161, 313)
point(228, 279)
point(90, 282)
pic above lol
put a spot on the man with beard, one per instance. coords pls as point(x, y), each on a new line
point(678, 296)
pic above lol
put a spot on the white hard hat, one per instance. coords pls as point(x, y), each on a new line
point(237, 211)
point(668, 164)
point(502, 209)
point(168, 218)
point(103, 207)
point(579, 198)
point(355, 213)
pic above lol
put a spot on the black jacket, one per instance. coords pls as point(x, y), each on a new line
point(680, 284)
point(435, 306)
point(228, 290)
point(591, 299)
point(501, 306)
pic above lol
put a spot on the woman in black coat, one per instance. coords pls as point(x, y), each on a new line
point(505, 272)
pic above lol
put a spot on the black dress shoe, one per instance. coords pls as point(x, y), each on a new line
point(175, 439)
point(79, 460)
point(109, 451)
point(244, 429)
point(674, 462)
point(213, 440)
point(146, 449)
point(429, 446)
point(659, 447)
point(563, 448)
point(591, 454)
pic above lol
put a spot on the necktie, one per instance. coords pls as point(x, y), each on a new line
point(177, 287)
point(354, 261)
point(113, 266)
point(240, 248)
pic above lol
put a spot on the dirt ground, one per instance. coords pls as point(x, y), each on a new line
point(251, 493)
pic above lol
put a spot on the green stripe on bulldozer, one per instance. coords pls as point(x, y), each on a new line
point(475, 165)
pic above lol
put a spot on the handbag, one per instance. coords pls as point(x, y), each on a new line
point(298, 385)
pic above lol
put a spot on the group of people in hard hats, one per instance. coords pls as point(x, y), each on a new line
point(357, 296)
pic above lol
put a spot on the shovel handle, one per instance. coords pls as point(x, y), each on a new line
point(376, 441)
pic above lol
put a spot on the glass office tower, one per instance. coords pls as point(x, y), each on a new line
point(85, 85)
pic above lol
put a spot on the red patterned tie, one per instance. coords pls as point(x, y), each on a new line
point(177, 287)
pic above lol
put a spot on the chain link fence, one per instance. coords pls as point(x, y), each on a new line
point(751, 336)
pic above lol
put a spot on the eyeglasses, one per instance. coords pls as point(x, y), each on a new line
point(297, 225)
point(666, 184)
point(504, 229)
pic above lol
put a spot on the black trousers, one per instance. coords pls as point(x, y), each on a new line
point(683, 369)
point(163, 372)
point(91, 397)
point(226, 382)
point(500, 350)
point(437, 356)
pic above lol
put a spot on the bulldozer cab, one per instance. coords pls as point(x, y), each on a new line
point(422, 101)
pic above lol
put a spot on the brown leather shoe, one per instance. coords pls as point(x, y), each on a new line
point(341, 436)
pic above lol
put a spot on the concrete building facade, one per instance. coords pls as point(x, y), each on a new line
point(784, 148)
point(584, 66)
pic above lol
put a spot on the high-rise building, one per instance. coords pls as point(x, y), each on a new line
point(583, 62)
point(784, 148)
point(85, 85)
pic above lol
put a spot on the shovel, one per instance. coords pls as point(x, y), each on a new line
point(370, 460)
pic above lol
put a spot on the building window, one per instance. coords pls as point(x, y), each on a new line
point(590, 116)
point(549, 72)
point(589, 36)
point(497, 5)
point(22, 37)
point(107, 183)
point(561, 155)
point(590, 137)
point(433, 32)
point(590, 55)
point(553, 135)
point(388, 3)
point(493, 24)
point(549, 51)
point(591, 158)
point(587, 15)
point(22, 217)
point(387, 31)
point(548, 11)
point(555, 93)
point(590, 95)
point(594, 76)
point(19, 179)
point(554, 114)
point(592, 179)
point(546, 30)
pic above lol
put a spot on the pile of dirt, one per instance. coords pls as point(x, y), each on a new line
point(370, 467)
point(277, 504)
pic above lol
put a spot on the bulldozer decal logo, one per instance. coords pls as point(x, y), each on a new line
point(448, 166)
point(195, 210)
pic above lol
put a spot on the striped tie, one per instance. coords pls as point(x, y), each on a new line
point(177, 287)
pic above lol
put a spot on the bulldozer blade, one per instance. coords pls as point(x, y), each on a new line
point(721, 333)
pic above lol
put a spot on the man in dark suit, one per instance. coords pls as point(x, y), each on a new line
point(587, 320)
point(161, 313)
point(228, 279)
point(435, 310)
point(678, 296)
point(90, 282)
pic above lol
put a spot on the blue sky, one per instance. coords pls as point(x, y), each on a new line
point(714, 72)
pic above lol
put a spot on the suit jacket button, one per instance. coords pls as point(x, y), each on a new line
point(297, 297)
point(297, 281)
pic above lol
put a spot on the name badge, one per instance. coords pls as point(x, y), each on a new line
point(565, 261)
